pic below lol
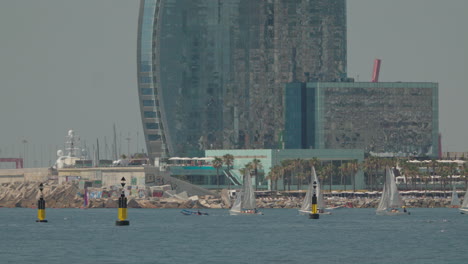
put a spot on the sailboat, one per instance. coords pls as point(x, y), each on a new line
point(390, 202)
point(464, 207)
point(245, 199)
point(306, 206)
point(455, 203)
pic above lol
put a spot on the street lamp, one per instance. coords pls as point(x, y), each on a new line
point(24, 141)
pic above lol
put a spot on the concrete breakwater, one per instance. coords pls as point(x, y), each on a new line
point(69, 195)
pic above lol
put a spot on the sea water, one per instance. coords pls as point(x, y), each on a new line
point(279, 236)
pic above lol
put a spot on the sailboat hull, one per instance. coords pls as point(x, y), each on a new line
point(302, 212)
point(248, 212)
point(391, 213)
point(463, 210)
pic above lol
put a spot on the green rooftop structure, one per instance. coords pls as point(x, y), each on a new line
point(271, 157)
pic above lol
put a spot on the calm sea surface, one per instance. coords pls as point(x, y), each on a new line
point(437, 235)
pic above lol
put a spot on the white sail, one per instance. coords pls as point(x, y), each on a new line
point(318, 190)
point(306, 206)
point(455, 201)
point(248, 195)
point(464, 207)
point(307, 203)
point(390, 195)
point(236, 207)
point(245, 199)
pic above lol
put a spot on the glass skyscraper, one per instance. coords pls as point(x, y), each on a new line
point(397, 118)
point(211, 73)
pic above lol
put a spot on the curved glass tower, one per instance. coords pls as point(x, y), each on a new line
point(211, 73)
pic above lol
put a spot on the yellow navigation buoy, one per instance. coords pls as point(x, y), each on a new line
point(314, 212)
point(41, 214)
point(122, 214)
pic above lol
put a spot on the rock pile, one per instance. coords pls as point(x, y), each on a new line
point(69, 195)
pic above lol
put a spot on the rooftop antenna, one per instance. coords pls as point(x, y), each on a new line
point(128, 144)
point(114, 147)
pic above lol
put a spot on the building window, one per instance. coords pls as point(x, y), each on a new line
point(145, 68)
point(147, 91)
point(148, 103)
point(146, 80)
point(149, 114)
point(154, 137)
point(152, 126)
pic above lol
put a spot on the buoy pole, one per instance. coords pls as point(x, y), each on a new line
point(41, 214)
point(314, 214)
point(122, 214)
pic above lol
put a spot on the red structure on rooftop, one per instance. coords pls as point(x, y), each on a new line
point(376, 71)
point(18, 161)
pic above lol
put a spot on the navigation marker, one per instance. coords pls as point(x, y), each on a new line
point(314, 214)
point(122, 207)
point(41, 207)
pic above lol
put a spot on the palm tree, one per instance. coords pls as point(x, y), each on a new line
point(405, 166)
point(297, 167)
point(443, 173)
point(313, 162)
point(228, 160)
point(379, 164)
point(217, 163)
point(433, 164)
point(286, 165)
point(300, 177)
point(465, 174)
point(452, 169)
point(256, 165)
point(327, 172)
point(274, 176)
point(371, 167)
point(353, 168)
point(280, 175)
point(343, 169)
point(410, 170)
point(242, 172)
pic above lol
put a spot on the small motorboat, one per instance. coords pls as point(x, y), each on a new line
point(189, 212)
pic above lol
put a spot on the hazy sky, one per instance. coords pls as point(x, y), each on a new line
point(68, 64)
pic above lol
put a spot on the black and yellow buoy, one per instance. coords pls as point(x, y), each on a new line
point(122, 207)
point(41, 207)
point(314, 214)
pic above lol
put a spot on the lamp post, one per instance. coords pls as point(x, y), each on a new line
point(314, 214)
point(41, 207)
point(122, 214)
point(24, 141)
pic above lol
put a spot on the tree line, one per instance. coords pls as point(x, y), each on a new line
point(298, 172)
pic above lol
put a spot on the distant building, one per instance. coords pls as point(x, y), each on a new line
point(385, 118)
point(211, 74)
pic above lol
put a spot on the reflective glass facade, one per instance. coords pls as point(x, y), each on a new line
point(217, 69)
point(400, 118)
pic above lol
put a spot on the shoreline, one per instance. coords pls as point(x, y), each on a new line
point(68, 195)
point(217, 203)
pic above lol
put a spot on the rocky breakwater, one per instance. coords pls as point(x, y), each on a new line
point(26, 194)
point(68, 195)
point(161, 202)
